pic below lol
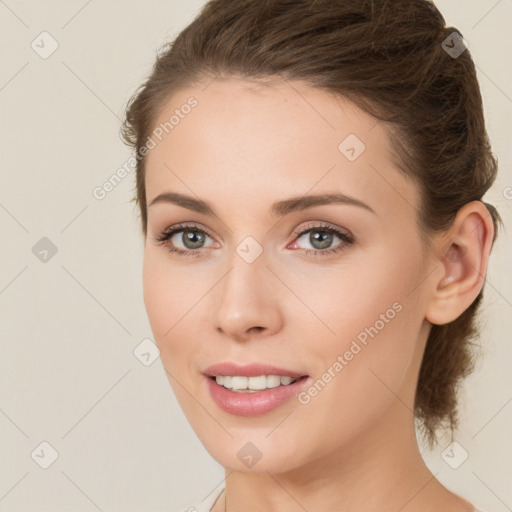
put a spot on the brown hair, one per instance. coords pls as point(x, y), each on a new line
point(391, 59)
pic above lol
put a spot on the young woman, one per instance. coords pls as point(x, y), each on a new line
point(310, 177)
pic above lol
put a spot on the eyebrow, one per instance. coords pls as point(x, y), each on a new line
point(278, 209)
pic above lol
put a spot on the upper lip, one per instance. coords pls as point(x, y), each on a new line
point(250, 370)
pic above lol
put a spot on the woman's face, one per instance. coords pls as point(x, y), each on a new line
point(272, 285)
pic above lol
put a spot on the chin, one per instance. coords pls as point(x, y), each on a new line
point(253, 451)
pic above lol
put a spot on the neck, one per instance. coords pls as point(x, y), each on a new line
point(379, 470)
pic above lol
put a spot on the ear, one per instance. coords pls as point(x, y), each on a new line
point(462, 257)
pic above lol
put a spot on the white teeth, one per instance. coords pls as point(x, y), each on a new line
point(273, 381)
point(252, 384)
point(257, 383)
point(239, 382)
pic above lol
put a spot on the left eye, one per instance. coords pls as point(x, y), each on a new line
point(322, 237)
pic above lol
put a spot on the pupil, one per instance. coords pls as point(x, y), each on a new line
point(194, 238)
point(325, 240)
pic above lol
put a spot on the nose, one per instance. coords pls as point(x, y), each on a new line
point(246, 302)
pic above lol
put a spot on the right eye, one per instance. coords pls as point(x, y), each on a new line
point(191, 238)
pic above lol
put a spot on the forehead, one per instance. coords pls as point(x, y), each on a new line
point(244, 143)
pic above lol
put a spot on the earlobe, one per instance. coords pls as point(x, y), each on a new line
point(462, 264)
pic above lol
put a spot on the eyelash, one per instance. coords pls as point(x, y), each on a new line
point(172, 230)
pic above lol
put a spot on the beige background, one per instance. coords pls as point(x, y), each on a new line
point(69, 326)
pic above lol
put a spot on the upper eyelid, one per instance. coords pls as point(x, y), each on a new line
point(345, 236)
point(309, 226)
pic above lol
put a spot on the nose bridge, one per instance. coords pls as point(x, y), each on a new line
point(246, 298)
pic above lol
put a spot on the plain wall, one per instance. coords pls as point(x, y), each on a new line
point(69, 325)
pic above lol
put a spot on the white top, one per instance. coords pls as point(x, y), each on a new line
point(207, 504)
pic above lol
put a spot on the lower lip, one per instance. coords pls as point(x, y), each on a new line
point(253, 404)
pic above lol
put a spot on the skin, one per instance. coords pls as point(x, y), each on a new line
point(353, 446)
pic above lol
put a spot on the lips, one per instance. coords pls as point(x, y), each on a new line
point(250, 370)
point(254, 404)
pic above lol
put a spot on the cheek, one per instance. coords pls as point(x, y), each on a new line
point(371, 319)
point(341, 300)
point(163, 296)
point(173, 298)
point(155, 300)
point(359, 375)
point(373, 330)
